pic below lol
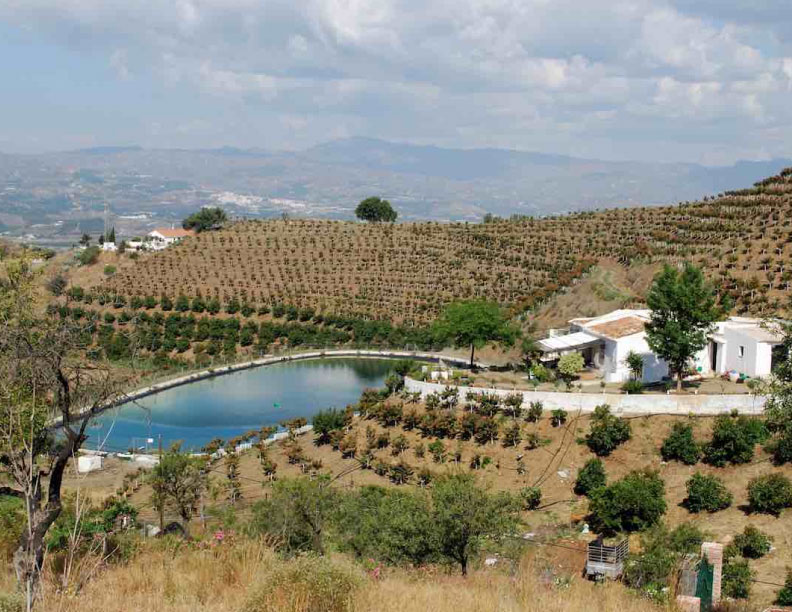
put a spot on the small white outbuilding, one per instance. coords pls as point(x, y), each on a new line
point(89, 463)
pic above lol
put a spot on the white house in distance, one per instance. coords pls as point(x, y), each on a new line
point(162, 238)
point(739, 344)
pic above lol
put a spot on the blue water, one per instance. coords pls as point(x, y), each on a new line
point(226, 406)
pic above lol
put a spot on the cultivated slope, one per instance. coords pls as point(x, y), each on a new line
point(407, 272)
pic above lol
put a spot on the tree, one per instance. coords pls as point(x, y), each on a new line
point(205, 219)
point(607, 431)
point(375, 209)
point(43, 376)
point(327, 421)
point(464, 515)
point(778, 407)
point(85, 239)
point(706, 493)
point(178, 481)
point(680, 445)
point(752, 543)
point(111, 237)
point(473, 324)
point(591, 477)
point(389, 524)
point(736, 579)
point(570, 364)
point(297, 514)
point(633, 503)
point(733, 440)
point(634, 362)
point(770, 494)
point(683, 312)
point(784, 595)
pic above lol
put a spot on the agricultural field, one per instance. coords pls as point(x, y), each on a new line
point(407, 272)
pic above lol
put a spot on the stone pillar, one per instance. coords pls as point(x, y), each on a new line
point(714, 554)
point(688, 603)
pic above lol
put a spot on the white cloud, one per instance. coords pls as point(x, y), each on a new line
point(518, 73)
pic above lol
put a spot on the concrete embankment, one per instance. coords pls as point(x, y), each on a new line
point(620, 403)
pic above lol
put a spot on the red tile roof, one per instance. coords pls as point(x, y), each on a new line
point(619, 328)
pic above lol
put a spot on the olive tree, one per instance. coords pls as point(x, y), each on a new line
point(44, 379)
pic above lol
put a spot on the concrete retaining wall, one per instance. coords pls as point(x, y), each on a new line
point(624, 404)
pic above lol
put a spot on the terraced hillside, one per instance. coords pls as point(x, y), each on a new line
point(407, 272)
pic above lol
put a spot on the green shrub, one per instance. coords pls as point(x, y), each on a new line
point(327, 421)
point(633, 503)
point(632, 387)
point(706, 493)
point(570, 364)
point(12, 602)
point(736, 579)
point(590, 477)
point(607, 431)
point(781, 447)
point(531, 497)
point(680, 445)
point(661, 550)
point(541, 373)
point(558, 417)
point(784, 595)
point(733, 440)
point(391, 525)
point(752, 543)
point(88, 256)
point(770, 494)
point(12, 522)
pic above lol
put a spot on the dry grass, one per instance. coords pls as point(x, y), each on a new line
point(222, 579)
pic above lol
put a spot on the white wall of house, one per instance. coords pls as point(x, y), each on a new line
point(745, 354)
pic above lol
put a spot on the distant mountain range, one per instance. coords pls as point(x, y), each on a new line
point(423, 182)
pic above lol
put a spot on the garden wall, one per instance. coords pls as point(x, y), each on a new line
point(619, 403)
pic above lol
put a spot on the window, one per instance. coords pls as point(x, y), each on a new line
point(741, 352)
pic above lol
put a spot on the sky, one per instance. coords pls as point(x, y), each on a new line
point(707, 81)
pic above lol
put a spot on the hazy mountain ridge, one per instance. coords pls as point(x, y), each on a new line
point(64, 193)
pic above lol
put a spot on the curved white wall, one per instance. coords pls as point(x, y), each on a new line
point(626, 404)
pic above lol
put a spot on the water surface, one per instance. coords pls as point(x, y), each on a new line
point(226, 406)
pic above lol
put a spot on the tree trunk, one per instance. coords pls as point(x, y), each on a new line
point(464, 563)
point(472, 353)
point(29, 556)
point(680, 374)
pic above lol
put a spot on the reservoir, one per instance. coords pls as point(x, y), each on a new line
point(229, 405)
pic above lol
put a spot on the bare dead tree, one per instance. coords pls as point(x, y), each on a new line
point(49, 391)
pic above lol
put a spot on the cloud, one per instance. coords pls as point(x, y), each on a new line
point(531, 74)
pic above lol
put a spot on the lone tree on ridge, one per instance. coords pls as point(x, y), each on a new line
point(205, 219)
point(473, 324)
point(375, 210)
point(683, 312)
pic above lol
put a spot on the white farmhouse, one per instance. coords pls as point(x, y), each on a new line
point(162, 238)
point(739, 344)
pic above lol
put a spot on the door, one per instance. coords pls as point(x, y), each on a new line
point(704, 585)
point(714, 356)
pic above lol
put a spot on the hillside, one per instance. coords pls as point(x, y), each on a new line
point(407, 272)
